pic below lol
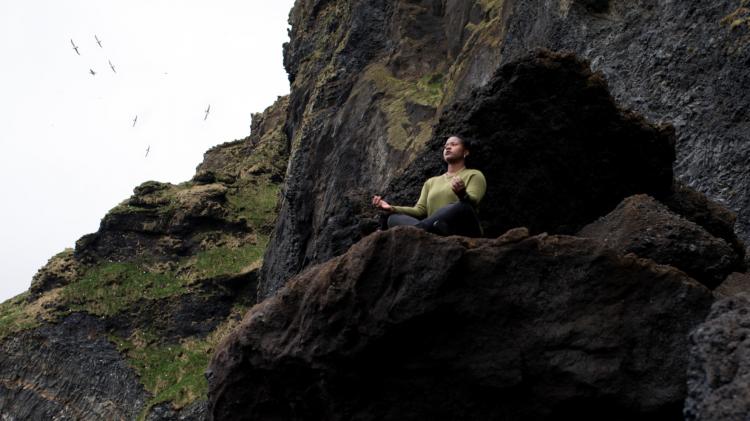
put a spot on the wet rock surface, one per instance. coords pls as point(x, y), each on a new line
point(643, 226)
point(410, 326)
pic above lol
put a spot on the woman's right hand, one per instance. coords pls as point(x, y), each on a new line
point(379, 203)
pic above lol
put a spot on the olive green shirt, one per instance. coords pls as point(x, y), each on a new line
point(437, 193)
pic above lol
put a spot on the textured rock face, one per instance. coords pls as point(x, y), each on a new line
point(555, 148)
point(733, 285)
point(643, 226)
point(68, 371)
point(719, 373)
point(673, 62)
point(368, 80)
point(410, 326)
point(679, 62)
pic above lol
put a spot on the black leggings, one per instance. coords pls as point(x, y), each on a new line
point(457, 218)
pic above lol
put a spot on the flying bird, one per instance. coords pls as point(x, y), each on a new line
point(112, 66)
point(207, 111)
point(75, 47)
point(97, 41)
point(134, 120)
point(92, 72)
point(147, 149)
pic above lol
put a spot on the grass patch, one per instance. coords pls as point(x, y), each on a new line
point(171, 373)
point(15, 315)
point(256, 202)
point(107, 289)
point(225, 260)
point(174, 372)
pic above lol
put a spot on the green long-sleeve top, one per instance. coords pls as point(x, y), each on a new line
point(437, 193)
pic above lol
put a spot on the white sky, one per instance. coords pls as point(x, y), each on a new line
point(69, 149)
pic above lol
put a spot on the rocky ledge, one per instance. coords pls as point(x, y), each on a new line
point(411, 326)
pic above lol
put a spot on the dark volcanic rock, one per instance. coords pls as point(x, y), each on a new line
point(367, 80)
point(410, 326)
point(734, 284)
point(696, 207)
point(719, 368)
point(678, 62)
point(60, 270)
point(68, 371)
point(555, 149)
point(643, 226)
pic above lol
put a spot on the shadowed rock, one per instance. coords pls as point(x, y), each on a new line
point(643, 226)
point(719, 367)
point(410, 326)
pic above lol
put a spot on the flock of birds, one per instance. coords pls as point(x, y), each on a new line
point(112, 66)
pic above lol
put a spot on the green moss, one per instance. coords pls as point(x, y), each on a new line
point(256, 202)
point(426, 91)
point(170, 372)
point(225, 260)
point(109, 288)
point(174, 372)
point(16, 315)
point(739, 17)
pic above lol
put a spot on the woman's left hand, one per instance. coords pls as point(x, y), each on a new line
point(458, 186)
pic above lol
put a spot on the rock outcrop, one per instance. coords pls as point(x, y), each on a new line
point(683, 63)
point(410, 326)
point(643, 226)
point(67, 371)
point(672, 62)
point(618, 98)
point(122, 326)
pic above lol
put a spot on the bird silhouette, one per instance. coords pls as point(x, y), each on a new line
point(147, 150)
point(207, 111)
point(75, 47)
point(97, 41)
point(92, 72)
point(135, 120)
point(112, 66)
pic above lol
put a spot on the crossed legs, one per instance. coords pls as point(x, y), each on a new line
point(455, 219)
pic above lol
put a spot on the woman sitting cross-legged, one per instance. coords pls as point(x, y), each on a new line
point(448, 203)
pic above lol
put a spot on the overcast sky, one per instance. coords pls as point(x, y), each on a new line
point(70, 151)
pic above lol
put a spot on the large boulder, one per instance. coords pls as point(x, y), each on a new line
point(411, 326)
point(642, 225)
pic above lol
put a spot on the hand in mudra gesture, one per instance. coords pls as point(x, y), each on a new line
point(458, 186)
point(379, 203)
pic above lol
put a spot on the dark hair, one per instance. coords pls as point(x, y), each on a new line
point(469, 143)
point(466, 142)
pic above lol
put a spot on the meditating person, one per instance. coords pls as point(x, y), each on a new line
point(448, 202)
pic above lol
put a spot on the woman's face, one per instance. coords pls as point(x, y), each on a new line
point(453, 150)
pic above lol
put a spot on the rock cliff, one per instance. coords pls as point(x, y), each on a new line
point(369, 80)
point(614, 131)
point(122, 326)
